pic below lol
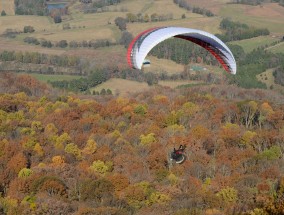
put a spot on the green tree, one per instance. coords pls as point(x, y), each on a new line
point(140, 109)
point(151, 78)
point(29, 29)
point(103, 92)
point(3, 13)
point(57, 19)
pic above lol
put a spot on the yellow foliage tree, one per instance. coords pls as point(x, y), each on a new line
point(3, 144)
point(173, 179)
point(265, 111)
point(38, 149)
point(102, 167)
point(9, 205)
point(228, 195)
point(25, 172)
point(72, 148)
point(62, 141)
point(247, 138)
point(91, 147)
point(157, 198)
point(147, 139)
point(36, 126)
point(190, 108)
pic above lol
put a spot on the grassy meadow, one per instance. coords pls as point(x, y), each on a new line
point(46, 78)
point(101, 26)
point(7, 6)
point(124, 87)
point(163, 65)
point(16, 22)
point(278, 48)
point(269, 15)
point(250, 44)
point(268, 78)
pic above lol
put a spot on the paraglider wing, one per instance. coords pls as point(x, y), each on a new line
point(142, 44)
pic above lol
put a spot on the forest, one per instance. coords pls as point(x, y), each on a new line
point(31, 7)
point(255, 2)
point(72, 154)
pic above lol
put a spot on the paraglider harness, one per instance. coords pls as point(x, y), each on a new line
point(177, 155)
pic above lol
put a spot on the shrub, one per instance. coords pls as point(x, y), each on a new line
point(3, 13)
point(29, 29)
point(57, 19)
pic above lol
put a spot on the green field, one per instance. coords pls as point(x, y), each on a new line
point(101, 26)
point(124, 87)
point(250, 44)
point(46, 78)
point(268, 78)
point(278, 48)
point(204, 23)
point(270, 15)
point(40, 23)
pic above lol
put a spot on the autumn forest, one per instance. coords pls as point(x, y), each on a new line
point(72, 154)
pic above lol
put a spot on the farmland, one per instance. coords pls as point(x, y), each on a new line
point(7, 6)
point(124, 87)
point(278, 48)
point(269, 16)
point(47, 78)
point(249, 44)
point(268, 78)
point(96, 26)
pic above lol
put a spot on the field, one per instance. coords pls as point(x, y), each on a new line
point(7, 6)
point(163, 65)
point(250, 44)
point(203, 23)
point(103, 57)
point(18, 22)
point(268, 78)
point(101, 26)
point(121, 86)
point(124, 87)
point(150, 6)
point(46, 78)
point(176, 84)
point(277, 48)
point(11, 45)
point(269, 15)
point(212, 5)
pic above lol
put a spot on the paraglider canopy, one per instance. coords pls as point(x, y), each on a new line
point(142, 44)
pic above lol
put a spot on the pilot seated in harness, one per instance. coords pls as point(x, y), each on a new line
point(177, 155)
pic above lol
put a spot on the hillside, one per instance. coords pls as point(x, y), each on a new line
point(68, 154)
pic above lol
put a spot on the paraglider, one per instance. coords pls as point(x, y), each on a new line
point(142, 44)
point(177, 155)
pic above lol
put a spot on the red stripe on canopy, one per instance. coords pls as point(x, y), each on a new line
point(207, 46)
point(132, 44)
